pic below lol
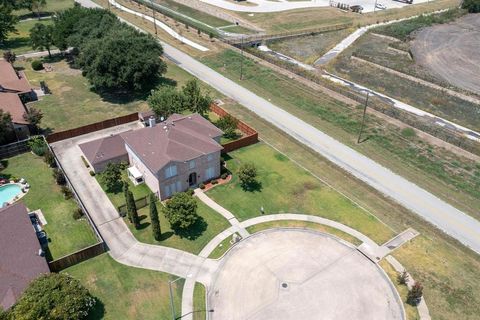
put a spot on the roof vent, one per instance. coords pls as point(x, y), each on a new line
point(165, 127)
point(41, 253)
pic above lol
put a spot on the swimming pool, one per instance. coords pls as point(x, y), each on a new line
point(8, 192)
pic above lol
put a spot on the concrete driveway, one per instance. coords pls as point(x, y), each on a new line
point(288, 274)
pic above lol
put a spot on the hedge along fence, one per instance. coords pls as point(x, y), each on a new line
point(77, 257)
point(250, 135)
point(67, 134)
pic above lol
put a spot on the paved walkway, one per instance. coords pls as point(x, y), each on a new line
point(224, 212)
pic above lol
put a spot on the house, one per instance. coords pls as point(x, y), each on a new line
point(15, 91)
point(99, 153)
point(20, 258)
point(170, 156)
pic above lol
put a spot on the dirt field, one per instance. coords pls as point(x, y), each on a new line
point(451, 51)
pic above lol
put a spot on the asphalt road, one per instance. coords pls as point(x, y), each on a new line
point(436, 211)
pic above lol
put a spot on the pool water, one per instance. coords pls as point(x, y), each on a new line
point(8, 192)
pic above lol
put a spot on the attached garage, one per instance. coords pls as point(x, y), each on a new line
point(100, 152)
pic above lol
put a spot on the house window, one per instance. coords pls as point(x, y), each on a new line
point(210, 157)
point(170, 171)
point(172, 188)
point(210, 173)
point(191, 164)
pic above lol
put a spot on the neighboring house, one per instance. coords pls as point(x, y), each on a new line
point(15, 91)
point(100, 152)
point(171, 156)
point(20, 261)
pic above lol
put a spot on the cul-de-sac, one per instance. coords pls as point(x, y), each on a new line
point(240, 159)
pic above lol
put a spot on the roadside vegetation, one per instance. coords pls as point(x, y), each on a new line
point(199, 299)
point(454, 178)
point(125, 292)
point(66, 235)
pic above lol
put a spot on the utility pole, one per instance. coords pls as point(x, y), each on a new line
point(153, 16)
point(363, 120)
point(241, 61)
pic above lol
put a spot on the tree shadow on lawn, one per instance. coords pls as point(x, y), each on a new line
point(166, 235)
point(15, 43)
point(98, 311)
point(129, 96)
point(253, 187)
point(195, 231)
point(143, 225)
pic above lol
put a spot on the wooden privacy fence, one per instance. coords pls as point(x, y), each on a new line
point(62, 135)
point(139, 203)
point(77, 257)
point(13, 149)
point(250, 135)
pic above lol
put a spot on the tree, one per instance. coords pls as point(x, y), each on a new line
point(7, 21)
point(181, 211)
point(473, 6)
point(228, 125)
point(166, 101)
point(132, 210)
point(6, 127)
point(122, 60)
point(157, 232)
point(112, 175)
point(415, 293)
point(34, 5)
point(41, 37)
point(247, 173)
point(55, 296)
point(33, 116)
point(194, 100)
point(10, 56)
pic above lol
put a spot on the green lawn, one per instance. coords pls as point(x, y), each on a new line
point(211, 224)
point(126, 292)
point(117, 197)
point(19, 42)
point(50, 8)
point(199, 295)
point(222, 247)
point(66, 234)
point(285, 187)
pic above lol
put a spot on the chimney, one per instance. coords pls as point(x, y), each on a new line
point(151, 121)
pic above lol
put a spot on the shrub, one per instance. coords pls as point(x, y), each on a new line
point(247, 173)
point(228, 125)
point(473, 6)
point(415, 294)
point(67, 193)
point(77, 213)
point(38, 145)
point(92, 173)
point(49, 159)
point(59, 177)
point(37, 65)
point(224, 175)
point(402, 277)
point(201, 186)
point(214, 182)
point(190, 192)
point(181, 211)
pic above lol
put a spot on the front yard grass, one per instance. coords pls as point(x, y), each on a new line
point(19, 42)
point(211, 224)
point(287, 188)
point(65, 234)
point(199, 302)
point(126, 292)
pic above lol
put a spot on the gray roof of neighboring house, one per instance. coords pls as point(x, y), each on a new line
point(19, 259)
point(179, 138)
point(104, 149)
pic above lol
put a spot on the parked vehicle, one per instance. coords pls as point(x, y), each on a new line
point(380, 6)
point(356, 8)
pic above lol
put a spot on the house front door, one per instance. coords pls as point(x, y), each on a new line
point(192, 179)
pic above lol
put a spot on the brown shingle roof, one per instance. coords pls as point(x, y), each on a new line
point(10, 81)
point(104, 149)
point(11, 103)
point(19, 259)
point(180, 138)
